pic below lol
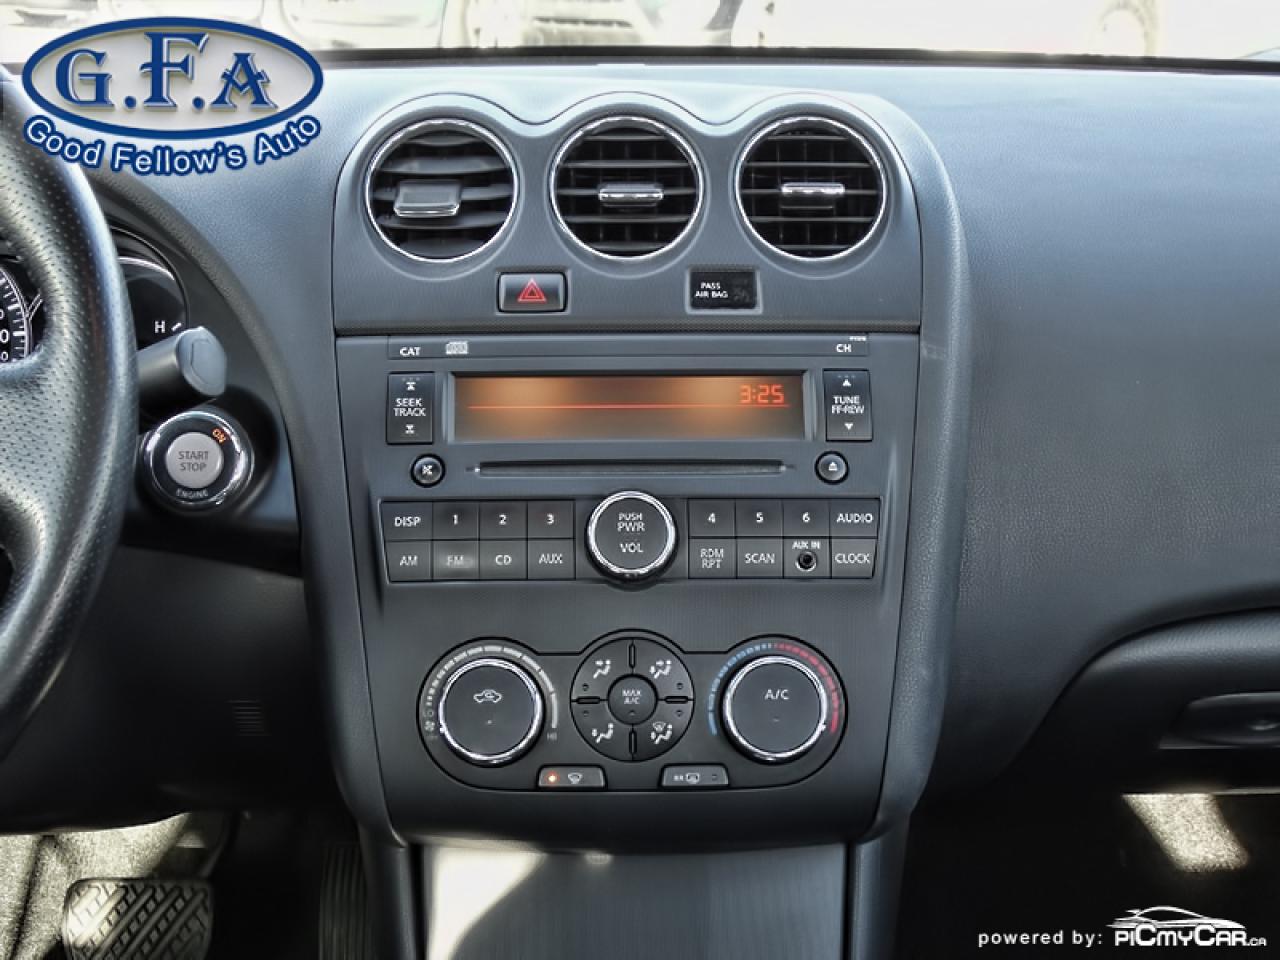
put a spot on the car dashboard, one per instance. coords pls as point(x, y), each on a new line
point(686, 454)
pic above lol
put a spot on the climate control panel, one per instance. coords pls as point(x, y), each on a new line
point(645, 715)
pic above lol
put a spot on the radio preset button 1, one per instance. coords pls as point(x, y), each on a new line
point(631, 535)
point(456, 521)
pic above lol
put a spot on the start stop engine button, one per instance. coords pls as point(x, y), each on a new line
point(193, 460)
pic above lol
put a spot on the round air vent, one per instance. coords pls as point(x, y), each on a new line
point(441, 189)
point(810, 187)
point(626, 187)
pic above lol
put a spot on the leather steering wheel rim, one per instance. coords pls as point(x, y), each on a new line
point(68, 415)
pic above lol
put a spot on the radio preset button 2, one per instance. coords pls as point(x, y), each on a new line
point(631, 535)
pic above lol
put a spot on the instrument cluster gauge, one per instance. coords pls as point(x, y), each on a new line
point(16, 336)
point(156, 297)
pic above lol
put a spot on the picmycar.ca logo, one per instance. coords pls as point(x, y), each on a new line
point(175, 79)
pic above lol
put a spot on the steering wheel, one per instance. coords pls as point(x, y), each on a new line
point(68, 415)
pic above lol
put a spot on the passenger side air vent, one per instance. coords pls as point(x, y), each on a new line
point(626, 187)
point(810, 188)
point(441, 189)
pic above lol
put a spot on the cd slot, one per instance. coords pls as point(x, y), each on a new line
point(640, 468)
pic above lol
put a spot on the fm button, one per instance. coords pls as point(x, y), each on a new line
point(631, 536)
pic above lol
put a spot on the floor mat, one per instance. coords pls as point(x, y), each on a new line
point(1004, 875)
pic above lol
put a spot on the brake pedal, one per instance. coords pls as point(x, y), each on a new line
point(137, 920)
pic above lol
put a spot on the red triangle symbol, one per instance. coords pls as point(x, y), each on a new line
point(532, 293)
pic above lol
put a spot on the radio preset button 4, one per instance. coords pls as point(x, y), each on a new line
point(631, 535)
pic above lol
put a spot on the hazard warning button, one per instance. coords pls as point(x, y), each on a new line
point(531, 292)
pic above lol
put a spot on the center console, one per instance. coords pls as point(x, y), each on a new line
point(610, 578)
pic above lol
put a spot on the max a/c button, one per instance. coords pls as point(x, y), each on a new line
point(531, 292)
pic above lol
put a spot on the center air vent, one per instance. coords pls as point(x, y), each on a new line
point(441, 189)
point(626, 187)
point(810, 188)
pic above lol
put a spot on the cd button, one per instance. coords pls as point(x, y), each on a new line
point(502, 560)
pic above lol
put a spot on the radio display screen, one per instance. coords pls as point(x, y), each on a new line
point(501, 408)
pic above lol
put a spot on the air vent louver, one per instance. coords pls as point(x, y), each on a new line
point(626, 187)
point(441, 189)
point(810, 188)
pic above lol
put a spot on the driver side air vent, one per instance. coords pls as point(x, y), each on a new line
point(810, 188)
point(441, 190)
point(626, 187)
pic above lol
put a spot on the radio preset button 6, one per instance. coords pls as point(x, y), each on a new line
point(631, 535)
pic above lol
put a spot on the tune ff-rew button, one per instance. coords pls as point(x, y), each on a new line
point(490, 711)
point(194, 460)
point(775, 709)
point(631, 535)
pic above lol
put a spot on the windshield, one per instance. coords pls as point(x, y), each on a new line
point(1221, 29)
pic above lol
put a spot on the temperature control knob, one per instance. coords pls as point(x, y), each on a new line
point(490, 711)
point(775, 709)
point(631, 535)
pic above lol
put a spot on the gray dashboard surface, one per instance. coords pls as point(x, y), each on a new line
point(1122, 258)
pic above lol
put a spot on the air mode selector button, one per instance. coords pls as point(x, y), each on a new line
point(631, 535)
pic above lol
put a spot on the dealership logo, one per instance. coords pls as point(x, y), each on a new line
point(1166, 927)
point(173, 80)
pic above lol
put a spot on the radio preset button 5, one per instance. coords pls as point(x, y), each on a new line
point(631, 535)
